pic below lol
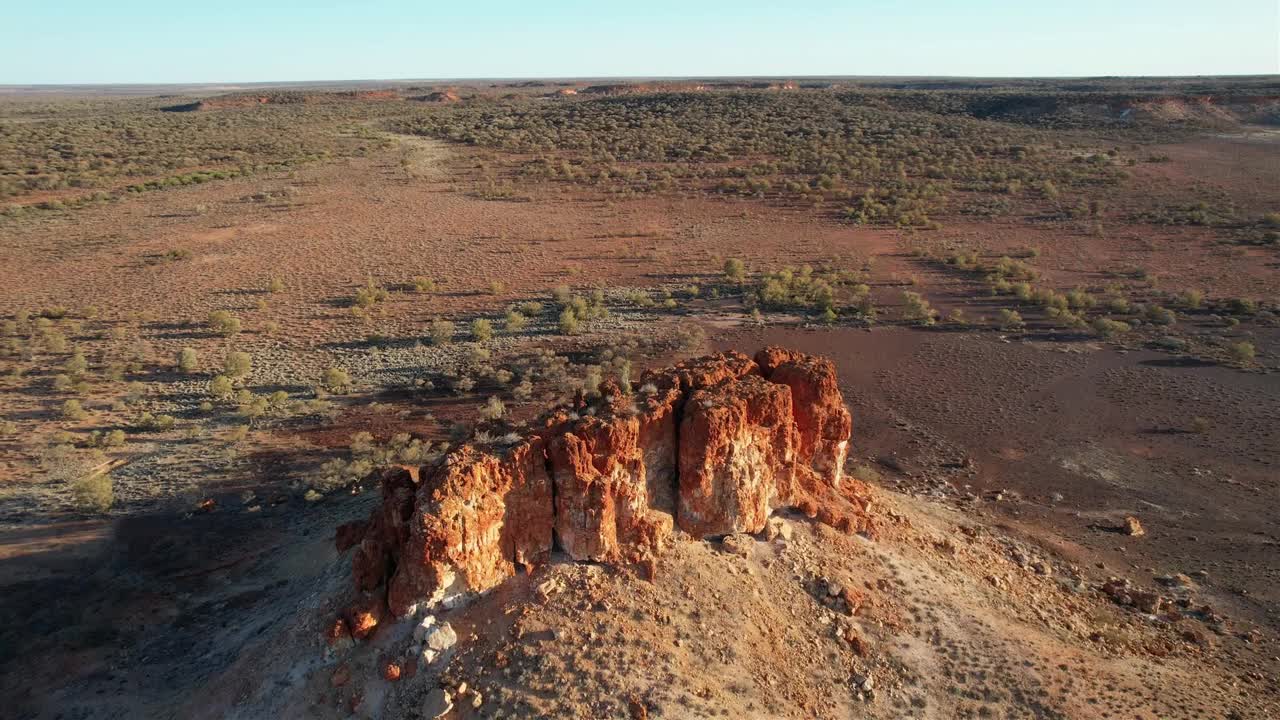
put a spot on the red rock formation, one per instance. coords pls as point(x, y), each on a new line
point(823, 423)
point(736, 449)
point(477, 516)
point(711, 445)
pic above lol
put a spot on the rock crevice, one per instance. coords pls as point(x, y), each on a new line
point(709, 447)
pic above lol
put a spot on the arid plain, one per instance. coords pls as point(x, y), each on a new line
point(1051, 307)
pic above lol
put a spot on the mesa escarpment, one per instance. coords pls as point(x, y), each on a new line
point(709, 447)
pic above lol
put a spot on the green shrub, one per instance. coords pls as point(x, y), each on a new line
point(369, 295)
point(221, 388)
point(76, 365)
point(237, 364)
point(93, 492)
point(187, 360)
point(335, 380)
point(532, 309)
point(441, 332)
point(1160, 315)
point(1106, 327)
point(424, 285)
point(224, 323)
point(481, 330)
point(1242, 353)
point(72, 410)
point(917, 309)
point(514, 322)
point(735, 270)
point(569, 324)
point(493, 409)
point(1191, 299)
point(1242, 306)
point(1011, 320)
point(276, 285)
point(154, 423)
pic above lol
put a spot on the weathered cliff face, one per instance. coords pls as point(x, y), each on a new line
point(737, 449)
point(710, 446)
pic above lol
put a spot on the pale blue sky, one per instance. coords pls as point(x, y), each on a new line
point(151, 41)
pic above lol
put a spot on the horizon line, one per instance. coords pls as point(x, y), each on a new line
point(630, 77)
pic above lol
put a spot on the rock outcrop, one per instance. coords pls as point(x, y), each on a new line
point(709, 447)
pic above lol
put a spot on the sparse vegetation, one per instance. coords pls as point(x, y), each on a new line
point(336, 381)
point(441, 332)
point(481, 330)
point(224, 323)
point(187, 360)
point(237, 364)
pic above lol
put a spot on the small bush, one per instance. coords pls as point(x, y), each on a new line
point(735, 270)
point(276, 285)
point(1242, 306)
point(1160, 315)
point(335, 380)
point(187, 361)
point(569, 324)
point(1106, 327)
point(493, 409)
point(93, 492)
point(481, 330)
point(237, 364)
point(221, 388)
point(76, 365)
point(441, 332)
point(1191, 299)
point(515, 322)
point(918, 309)
point(1242, 353)
point(424, 285)
point(1011, 320)
point(72, 410)
point(224, 323)
point(532, 309)
point(369, 295)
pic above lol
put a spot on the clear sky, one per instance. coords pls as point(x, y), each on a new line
point(155, 41)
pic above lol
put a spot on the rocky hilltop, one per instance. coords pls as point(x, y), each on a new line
point(708, 448)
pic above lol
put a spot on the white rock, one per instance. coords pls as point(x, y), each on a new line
point(420, 632)
point(441, 637)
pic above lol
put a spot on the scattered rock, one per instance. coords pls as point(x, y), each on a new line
point(739, 544)
point(423, 627)
point(437, 704)
point(439, 643)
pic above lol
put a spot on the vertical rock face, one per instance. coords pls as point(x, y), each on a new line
point(736, 448)
point(711, 446)
point(823, 424)
point(477, 517)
